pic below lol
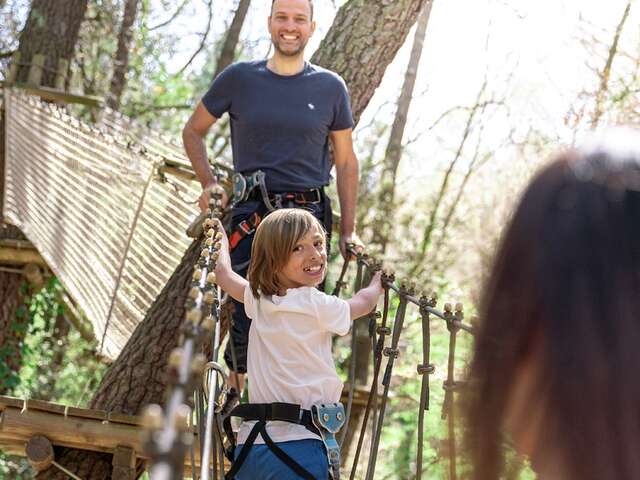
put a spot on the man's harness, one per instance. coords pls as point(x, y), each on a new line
point(253, 187)
point(324, 420)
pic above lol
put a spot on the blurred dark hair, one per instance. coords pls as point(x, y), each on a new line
point(310, 6)
point(567, 273)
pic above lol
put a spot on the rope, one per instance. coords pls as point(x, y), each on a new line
point(392, 354)
point(424, 369)
point(373, 392)
point(352, 362)
point(132, 230)
point(61, 468)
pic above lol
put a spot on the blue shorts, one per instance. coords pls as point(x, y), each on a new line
point(262, 464)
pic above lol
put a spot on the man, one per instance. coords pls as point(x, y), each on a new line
point(284, 111)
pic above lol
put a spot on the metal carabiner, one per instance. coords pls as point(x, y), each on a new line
point(219, 369)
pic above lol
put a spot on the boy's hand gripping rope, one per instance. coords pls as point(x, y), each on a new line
point(169, 432)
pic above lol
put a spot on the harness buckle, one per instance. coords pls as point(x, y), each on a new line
point(329, 419)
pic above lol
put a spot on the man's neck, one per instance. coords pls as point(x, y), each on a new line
point(283, 65)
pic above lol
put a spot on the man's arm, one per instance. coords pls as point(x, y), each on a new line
point(347, 182)
point(193, 135)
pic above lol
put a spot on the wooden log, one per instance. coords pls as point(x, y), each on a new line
point(33, 274)
point(39, 452)
point(20, 256)
point(61, 74)
point(36, 70)
point(124, 463)
point(67, 411)
point(48, 93)
point(12, 74)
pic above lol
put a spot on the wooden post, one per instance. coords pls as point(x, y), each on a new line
point(36, 70)
point(33, 274)
point(12, 75)
point(124, 463)
point(61, 74)
point(39, 452)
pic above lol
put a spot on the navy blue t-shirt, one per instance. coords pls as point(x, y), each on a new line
point(281, 124)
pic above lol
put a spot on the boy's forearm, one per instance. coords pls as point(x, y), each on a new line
point(363, 302)
point(232, 283)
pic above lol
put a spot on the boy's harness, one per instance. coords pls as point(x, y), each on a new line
point(324, 420)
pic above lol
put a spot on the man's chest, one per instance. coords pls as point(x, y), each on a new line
point(296, 108)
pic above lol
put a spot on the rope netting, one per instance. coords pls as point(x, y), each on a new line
point(98, 208)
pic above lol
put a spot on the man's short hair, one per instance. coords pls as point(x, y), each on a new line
point(310, 6)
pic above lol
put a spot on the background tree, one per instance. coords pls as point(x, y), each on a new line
point(51, 30)
point(121, 60)
point(393, 153)
point(138, 376)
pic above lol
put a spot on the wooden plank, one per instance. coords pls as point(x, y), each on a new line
point(54, 95)
point(70, 431)
point(124, 463)
point(59, 409)
point(20, 256)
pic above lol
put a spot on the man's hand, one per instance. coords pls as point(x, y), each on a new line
point(350, 239)
point(215, 187)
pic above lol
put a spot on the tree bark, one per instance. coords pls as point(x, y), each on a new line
point(362, 42)
point(228, 52)
point(393, 153)
point(121, 61)
point(51, 30)
point(11, 330)
point(365, 36)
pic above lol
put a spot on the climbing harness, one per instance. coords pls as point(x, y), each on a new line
point(324, 420)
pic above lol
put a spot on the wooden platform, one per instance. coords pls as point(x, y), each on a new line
point(86, 429)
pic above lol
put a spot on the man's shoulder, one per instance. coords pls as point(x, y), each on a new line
point(245, 67)
point(323, 73)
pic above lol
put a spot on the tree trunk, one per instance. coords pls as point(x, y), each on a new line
point(228, 52)
point(362, 42)
point(365, 36)
point(386, 196)
point(51, 30)
point(12, 325)
point(121, 61)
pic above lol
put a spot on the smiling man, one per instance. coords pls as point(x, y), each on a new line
point(284, 114)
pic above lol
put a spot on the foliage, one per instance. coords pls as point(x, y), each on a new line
point(62, 369)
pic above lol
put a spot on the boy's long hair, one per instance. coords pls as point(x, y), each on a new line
point(568, 273)
point(273, 244)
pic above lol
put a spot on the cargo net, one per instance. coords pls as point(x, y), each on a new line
point(96, 204)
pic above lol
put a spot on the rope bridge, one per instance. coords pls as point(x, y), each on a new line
point(107, 207)
point(100, 208)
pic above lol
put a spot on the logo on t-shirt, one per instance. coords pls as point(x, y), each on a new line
point(311, 106)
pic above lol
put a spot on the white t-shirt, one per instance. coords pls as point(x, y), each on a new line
point(289, 357)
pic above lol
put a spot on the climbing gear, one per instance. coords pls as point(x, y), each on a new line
point(281, 200)
point(329, 419)
point(323, 420)
point(244, 185)
point(245, 228)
